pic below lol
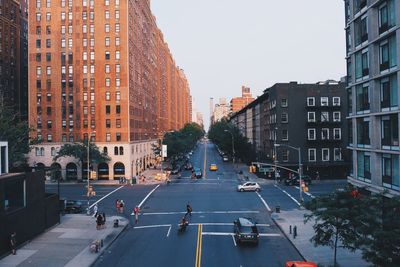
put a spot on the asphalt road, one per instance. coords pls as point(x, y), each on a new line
point(208, 240)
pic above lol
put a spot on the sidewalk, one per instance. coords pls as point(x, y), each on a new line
point(66, 244)
point(320, 255)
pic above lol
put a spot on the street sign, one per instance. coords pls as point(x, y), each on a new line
point(265, 169)
point(164, 151)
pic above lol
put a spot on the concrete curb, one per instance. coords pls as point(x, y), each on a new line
point(287, 237)
point(111, 242)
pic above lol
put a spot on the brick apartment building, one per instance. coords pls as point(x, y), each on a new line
point(237, 103)
point(101, 70)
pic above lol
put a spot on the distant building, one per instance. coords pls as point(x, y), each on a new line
point(238, 103)
point(14, 55)
point(221, 110)
point(373, 86)
point(309, 116)
point(3, 158)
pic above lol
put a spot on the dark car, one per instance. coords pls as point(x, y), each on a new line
point(196, 172)
point(295, 180)
point(73, 206)
point(245, 231)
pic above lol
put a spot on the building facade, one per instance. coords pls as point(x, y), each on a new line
point(101, 70)
point(372, 54)
point(221, 110)
point(307, 116)
point(238, 103)
point(13, 55)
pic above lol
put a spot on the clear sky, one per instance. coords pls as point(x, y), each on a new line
point(224, 44)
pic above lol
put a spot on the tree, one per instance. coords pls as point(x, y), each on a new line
point(336, 218)
point(79, 151)
point(16, 133)
point(380, 232)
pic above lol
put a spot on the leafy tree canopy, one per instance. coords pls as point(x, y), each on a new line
point(79, 151)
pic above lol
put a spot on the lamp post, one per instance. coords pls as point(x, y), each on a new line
point(300, 169)
point(88, 173)
point(233, 148)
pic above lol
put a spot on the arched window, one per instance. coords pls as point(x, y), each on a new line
point(115, 150)
point(121, 150)
point(42, 151)
point(53, 151)
point(105, 150)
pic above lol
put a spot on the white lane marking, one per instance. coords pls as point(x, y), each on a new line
point(225, 224)
point(148, 195)
point(91, 206)
point(234, 241)
point(227, 234)
point(195, 183)
point(295, 200)
point(263, 201)
point(169, 230)
point(202, 212)
point(152, 226)
point(308, 194)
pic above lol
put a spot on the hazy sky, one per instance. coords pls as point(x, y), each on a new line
point(224, 44)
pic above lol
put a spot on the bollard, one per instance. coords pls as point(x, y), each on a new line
point(290, 229)
point(278, 209)
point(116, 223)
point(294, 231)
point(101, 243)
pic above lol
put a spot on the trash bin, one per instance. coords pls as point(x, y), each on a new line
point(278, 209)
point(116, 223)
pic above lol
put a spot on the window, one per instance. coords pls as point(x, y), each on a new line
point(336, 101)
point(362, 64)
point(108, 138)
point(312, 154)
point(311, 116)
point(38, 43)
point(84, 55)
point(91, 28)
point(118, 123)
point(388, 54)
point(117, 68)
point(48, 16)
point(92, 69)
point(108, 109)
point(285, 155)
point(116, 14)
point(107, 68)
point(390, 131)
point(107, 14)
point(108, 123)
point(38, 17)
point(325, 154)
point(121, 150)
point(107, 55)
point(360, 30)
point(285, 135)
point(284, 117)
point(311, 134)
point(49, 138)
point(118, 96)
point(108, 82)
point(336, 116)
point(359, 5)
point(337, 154)
point(362, 98)
point(48, 57)
point(117, 82)
point(388, 93)
point(325, 134)
point(363, 166)
point(107, 27)
point(38, 71)
point(117, 55)
point(118, 109)
point(92, 55)
point(310, 101)
point(324, 116)
point(324, 101)
point(118, 136)
point(84, 15)
point(390, 171)
point(387, 18)
point(107, 41)
point(284, 102)
point(107, 2)
point(117, 27)
point(116, 150)
point(363, 132)
point(108, 95)
point(117, 41)
point(337, 133)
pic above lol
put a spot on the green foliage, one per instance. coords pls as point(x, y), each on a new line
point(79, 151)
point(182, 141)
point(223, 139)
point(16, 133)
point(336, 218)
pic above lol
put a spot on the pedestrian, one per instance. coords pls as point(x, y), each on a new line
point(13, 243)
point(117, 204)
point(98, 221)
point(95, 210)
point(103, 222)
point(188, 210)
point(136, 211)
point(317, 176)
point(121, 206)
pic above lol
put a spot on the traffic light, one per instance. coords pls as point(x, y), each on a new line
point(93, 174)
point(252, 169)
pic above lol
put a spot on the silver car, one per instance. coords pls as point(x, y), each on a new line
point(249, 186)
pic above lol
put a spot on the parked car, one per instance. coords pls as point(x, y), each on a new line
point(300, 264)
point(294, 180)
point(213, 167)
point(73, 206)
point(249, 186)
point(245, 231)
point(197, 173)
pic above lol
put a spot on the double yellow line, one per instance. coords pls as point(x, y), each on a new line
point(205, 160)
point(199, 244)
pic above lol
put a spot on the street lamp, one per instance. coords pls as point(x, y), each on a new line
point(300, 169)
point(233, 148)
point(88, 173)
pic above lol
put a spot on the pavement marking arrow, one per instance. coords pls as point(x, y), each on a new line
point(264, 202)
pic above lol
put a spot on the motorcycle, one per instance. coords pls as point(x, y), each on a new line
point(182, 226)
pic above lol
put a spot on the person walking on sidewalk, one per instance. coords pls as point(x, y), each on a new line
point(121, 206)
point(13, 243)
point(136, 211)
point(188, 209)
point(117, 205)
point(99, 220)
point(95, 210)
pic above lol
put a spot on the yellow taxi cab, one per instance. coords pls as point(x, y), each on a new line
point(213, 167)
point(300, 264)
